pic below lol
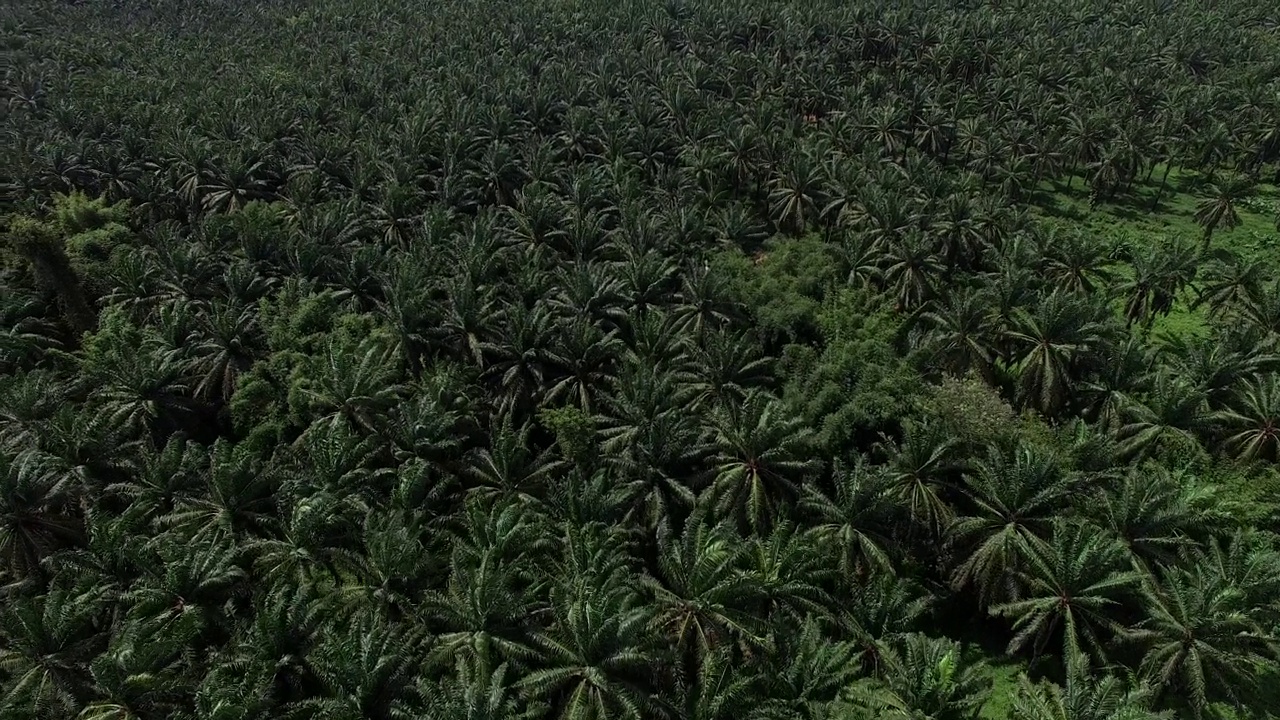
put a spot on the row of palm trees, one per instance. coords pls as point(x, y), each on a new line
point(296, 587)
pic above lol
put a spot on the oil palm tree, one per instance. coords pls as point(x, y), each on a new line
point(703, 599)
point(1172, 411)
point(363, 668)
point(1084, 696)
point(1218, 210)
point(855, 520)
point(922, 677)
point(596, 656)
point(48, 640)
point(1013, 498)
point(1199, 637)
point(1052, 341)
point(1251, 420)
point(760, 455)
point(1155, 512)
point(1076, 583)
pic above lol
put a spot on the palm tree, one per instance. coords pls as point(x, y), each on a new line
point(1076, 263)
point(307, 548)
point(142, 676)
point(702, 598)
point(922, 677)
point(1075, 583)
point(759, 458)
point(596, 656)
point(47, 641)
point(1200, 637)
point(959, 333)
point(140, 383)
point(1013, 497)
point(354, 385)
point(186, 594)
point(912, 269)
point(1054, 339)
point(222, 349)
point(807, 675)
point(921, 472)
point(1084, 697)
point(881, 612)
point(725, 367)
point(1251, 420)
point(1228, 282)
point(795, 194)
point(1172, 411)
point(1159, 277)
point(37, 515)
point(484, 609)
point(787, 564)
point(363, 668)
point(725, 690)
point(1155, 512)
point(236, 499)
point(1219, 208)
point(510, 466)
point(855, 521)
point(477, 694)
point(265, 666)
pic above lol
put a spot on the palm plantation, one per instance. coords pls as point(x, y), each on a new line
point(750, 360)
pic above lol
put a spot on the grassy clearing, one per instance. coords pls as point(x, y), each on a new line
point(1174, 216)
point(1134, 217)
point(1004, 673)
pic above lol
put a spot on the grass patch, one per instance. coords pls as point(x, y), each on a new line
point(1130, 218)
point(1003, 673)
point(1131, 212)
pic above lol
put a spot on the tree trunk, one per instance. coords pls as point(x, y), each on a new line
point(1164, 179)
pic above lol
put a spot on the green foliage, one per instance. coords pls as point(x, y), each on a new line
point(575, 432)
point(854, 384)
point(677, 361)
point(783, 284)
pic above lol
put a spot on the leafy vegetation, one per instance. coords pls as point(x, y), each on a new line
point(744, 359)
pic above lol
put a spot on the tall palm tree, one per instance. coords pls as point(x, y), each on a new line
point(1075, 582)
point(702, 597)
point(477, 694)
point(363, 668)
point(483, 611)
point(855, 521)
point(922, 677)
point(922, 472)
point(760, 455)
point(1013, 497)
point(1159, 277)
point(1172, 411)
point(37, 515)
point(1219, 208)
point(807, 675)
point(959, 333)
point(1251, 420)
point(1053, 340)
point(1084, 697)
point(596, 656)
point(47, 641)
point(1200, 637)
point(1155, 512)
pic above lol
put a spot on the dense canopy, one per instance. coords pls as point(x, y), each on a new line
point(726, 360)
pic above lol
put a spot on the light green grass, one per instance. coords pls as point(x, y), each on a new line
point(1130, 213)
point(1130, 219)
point(1004, 674)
